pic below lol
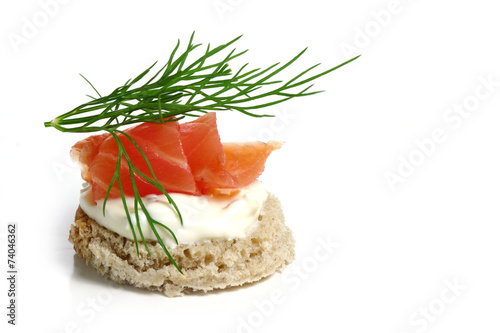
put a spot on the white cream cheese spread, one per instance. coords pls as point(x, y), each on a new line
point(204, 217)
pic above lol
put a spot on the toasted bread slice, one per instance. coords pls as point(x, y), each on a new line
point(215, 264)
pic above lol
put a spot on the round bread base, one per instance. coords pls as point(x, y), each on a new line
point(215, 264)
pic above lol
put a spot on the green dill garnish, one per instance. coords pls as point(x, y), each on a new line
point(177, 90)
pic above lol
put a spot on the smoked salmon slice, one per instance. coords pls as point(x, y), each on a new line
point(186, 158)
point(245, 161)
point(160, 143)
point(205, 153)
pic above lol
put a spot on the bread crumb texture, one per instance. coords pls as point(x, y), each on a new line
point(215, 264)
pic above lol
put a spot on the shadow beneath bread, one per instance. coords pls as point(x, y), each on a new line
point(227, 290)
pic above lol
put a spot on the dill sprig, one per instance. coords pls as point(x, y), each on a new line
point(179, 89)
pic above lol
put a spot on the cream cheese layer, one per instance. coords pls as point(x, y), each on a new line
point(204, 217)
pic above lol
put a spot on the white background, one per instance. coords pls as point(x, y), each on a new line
point(399, 249)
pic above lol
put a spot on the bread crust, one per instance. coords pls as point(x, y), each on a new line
point(215, 264)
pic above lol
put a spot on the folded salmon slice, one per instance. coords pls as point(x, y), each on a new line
point(186, 158)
